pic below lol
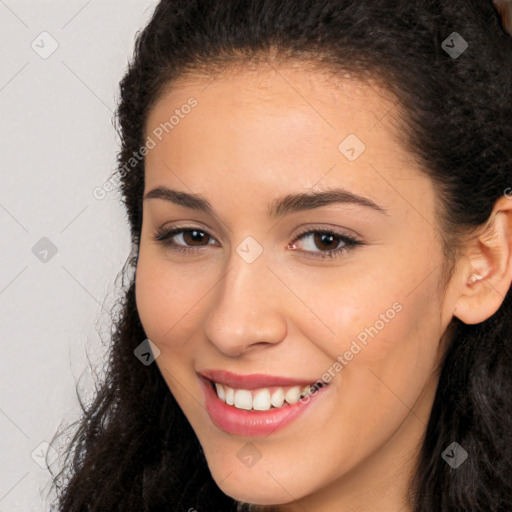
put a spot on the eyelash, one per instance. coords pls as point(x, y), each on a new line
point(164, 237)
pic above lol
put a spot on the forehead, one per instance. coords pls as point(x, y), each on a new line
point(280, 128)
point(279, 90)
point(274, 110)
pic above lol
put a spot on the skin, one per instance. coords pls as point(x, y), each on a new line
point(254, 137)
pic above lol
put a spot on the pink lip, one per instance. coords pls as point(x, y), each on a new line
point(252, 423)
point(253, 381)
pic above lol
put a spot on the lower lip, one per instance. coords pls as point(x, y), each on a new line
point(251, 423)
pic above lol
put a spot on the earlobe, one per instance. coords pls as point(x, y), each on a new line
point(489, 274)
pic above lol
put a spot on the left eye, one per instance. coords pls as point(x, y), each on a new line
point(330, 243)
point(325, 241)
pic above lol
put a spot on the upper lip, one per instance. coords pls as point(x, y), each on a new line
point(252, 381)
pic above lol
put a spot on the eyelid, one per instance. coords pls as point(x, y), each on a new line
point(337, 230)
point(300, 230)
point(350, 242)
point(164, 236)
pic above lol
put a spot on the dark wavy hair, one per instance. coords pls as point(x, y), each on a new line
point(133, 449)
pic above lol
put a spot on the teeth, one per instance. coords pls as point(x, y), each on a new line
point(292, 395)
point(243, 399)
point(220, 391)
point(230, 395)
point(262, 399)
point(305, 391)
point(277, 399)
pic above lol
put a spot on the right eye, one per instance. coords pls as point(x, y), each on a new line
point(187, 236)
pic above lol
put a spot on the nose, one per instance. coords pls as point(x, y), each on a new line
point(247, 312)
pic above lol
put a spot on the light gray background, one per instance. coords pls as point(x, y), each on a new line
point(57, 144)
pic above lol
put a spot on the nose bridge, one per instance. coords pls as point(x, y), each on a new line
point(245, 309)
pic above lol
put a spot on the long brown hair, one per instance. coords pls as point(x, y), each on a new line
point(133, 449)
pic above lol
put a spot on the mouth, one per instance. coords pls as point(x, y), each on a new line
point(263, 399)
point(255, 404)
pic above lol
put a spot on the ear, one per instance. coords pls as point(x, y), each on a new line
point(488, 271)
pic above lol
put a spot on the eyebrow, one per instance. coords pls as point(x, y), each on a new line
point(279, 207)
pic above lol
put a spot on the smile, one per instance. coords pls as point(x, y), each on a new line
point(255, 405)
point(263, 399)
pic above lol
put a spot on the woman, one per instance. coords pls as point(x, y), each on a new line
point(319, 315)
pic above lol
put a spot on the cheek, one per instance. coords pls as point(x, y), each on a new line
point(387, 339)
point(388, 372)
point(382, 357)
point(168, 301)
point(167, 313)
point(381, 312)
point(363, 317)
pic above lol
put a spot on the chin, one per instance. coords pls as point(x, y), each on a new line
point(247, 495)
point(259, 489)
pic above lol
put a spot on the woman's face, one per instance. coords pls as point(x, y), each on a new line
point(288, 168)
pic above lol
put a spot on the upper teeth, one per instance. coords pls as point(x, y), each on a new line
point(262, 399)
